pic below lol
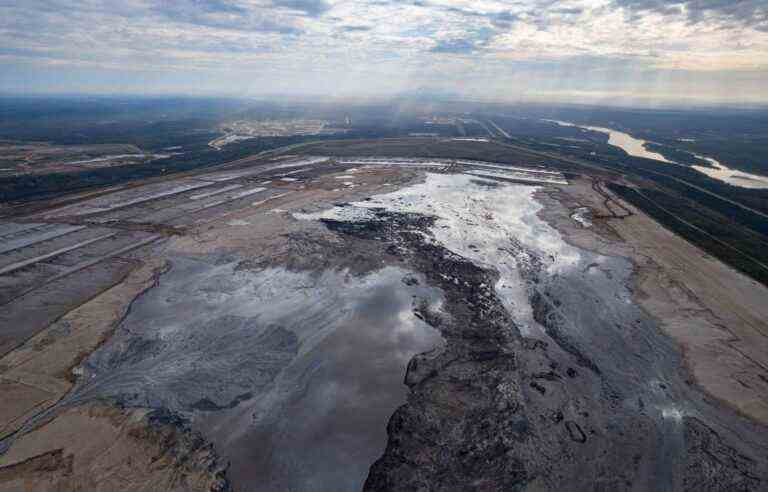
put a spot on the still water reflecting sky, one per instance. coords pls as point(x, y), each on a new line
point(324, 421)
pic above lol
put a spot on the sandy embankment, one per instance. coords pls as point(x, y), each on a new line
point(128, 449)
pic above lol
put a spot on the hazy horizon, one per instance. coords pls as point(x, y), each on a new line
point(612, 52)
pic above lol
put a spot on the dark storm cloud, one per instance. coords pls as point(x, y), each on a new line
point(749, 13)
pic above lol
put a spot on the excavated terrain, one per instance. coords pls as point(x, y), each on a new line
point(318, 323)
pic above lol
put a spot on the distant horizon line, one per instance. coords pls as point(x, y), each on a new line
point(634, 102)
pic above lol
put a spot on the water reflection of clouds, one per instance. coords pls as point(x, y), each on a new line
point(322, 356)
point(327, 411)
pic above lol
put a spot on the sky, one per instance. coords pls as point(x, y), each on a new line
point(699, 51)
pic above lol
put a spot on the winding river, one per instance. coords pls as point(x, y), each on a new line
point(636, 148)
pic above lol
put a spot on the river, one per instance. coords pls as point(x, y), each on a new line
point(636, 148)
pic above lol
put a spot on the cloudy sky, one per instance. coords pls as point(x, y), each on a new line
point(580, 50)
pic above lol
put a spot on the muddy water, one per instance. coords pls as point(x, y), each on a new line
point(292, 376)
point(329, 424)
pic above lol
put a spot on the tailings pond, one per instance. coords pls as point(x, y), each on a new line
point(545, 368)
point(292, 376)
